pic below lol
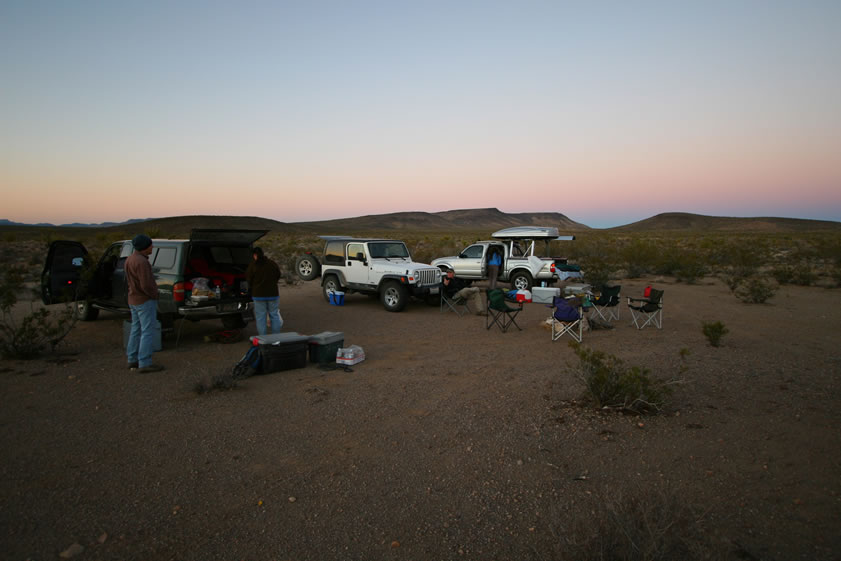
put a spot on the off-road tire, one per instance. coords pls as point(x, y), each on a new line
point(521, 280)
point(394, 296)
point(330, 284)
point(307, 267)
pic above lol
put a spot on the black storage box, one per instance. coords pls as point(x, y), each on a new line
point(286, 353)
point(323, 346)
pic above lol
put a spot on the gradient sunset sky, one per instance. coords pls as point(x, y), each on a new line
point(608, 112)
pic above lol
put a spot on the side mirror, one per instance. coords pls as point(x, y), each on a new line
point(361, 258)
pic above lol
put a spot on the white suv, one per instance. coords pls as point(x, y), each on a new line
point(371, 266)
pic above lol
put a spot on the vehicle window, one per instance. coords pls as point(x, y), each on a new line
point(334, 252)
point(165, 258)
point(221, 255)
point(241, 255)
point(473, 252)
point(353, 249)
point(516, 250)
point(126, 251)
point(388, 249)
point(63, 257)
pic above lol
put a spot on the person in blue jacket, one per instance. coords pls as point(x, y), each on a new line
point(494, 263)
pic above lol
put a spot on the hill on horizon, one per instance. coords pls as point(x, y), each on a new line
point(699, 222)
point(486, 219)
point(463, 219)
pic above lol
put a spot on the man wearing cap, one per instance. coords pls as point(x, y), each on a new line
point(143, 301)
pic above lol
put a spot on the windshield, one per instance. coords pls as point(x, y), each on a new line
point(388, 249)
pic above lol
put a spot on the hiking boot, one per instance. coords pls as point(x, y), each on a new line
point(150, 368)
point(133, 366)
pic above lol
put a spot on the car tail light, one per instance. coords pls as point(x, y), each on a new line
point(552, 267)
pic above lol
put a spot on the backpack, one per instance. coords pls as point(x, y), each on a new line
point(249, 364)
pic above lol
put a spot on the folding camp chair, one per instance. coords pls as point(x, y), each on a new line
point(567, 318)
point(606, 306)
point(648, 310)
point(457, 305)
point(499, 312)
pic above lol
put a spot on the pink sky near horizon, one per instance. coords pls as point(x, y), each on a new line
point(608, 114)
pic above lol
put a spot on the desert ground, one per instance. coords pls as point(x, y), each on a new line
point(449, 441)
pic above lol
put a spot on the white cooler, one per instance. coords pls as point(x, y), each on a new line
point(544, 295)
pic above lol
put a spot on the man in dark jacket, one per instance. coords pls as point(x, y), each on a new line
point(143, 302)
point(262, 275)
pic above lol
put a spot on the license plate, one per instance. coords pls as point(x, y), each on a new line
point(433, 290)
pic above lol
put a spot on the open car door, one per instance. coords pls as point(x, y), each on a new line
point(62, 271)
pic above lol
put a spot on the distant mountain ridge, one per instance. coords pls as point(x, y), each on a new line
point(464, 219)
point(4, 222)
point(688, 221)
point(486, 219)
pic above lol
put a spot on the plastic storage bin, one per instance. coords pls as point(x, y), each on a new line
point(323, 346)
point(337, 298)
point(157, 341)
point(281, 351)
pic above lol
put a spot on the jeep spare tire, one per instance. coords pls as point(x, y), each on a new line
point(308, 267)
point(394, 296)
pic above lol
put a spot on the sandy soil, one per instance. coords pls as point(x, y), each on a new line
point(449, 442)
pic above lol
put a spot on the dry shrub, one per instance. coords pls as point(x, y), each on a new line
point(28, 336)
point(755, 290)
point(653, 525)
point(610, 384)
point(714, 331)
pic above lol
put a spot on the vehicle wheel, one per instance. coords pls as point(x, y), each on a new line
point(308, 267)
point(330, 284)
point(233, 321)
point(521, 281)
point(84, 311)
point(394, 296)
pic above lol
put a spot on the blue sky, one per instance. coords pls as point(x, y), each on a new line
point(608, 112)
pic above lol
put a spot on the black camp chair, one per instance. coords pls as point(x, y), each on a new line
point(567, 318)
point(606, 306)
point(499, 312)
point(647, 311)
point(456, 305)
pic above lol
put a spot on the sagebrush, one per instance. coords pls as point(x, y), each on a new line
point(611, 384)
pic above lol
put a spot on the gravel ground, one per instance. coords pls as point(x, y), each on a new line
point(448, 442)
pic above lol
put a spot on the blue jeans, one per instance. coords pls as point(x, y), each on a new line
point(267, 307)
point(141, 339)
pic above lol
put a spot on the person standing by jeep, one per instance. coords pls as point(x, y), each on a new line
point(262, 275)
point(143, 302)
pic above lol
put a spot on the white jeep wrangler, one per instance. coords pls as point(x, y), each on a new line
point(370, 266)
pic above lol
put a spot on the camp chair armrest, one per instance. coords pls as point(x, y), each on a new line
point(639, 300)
